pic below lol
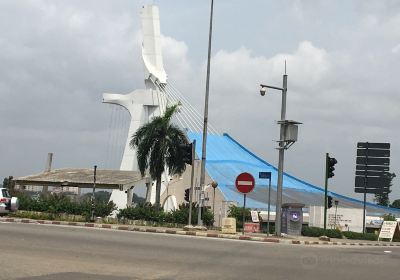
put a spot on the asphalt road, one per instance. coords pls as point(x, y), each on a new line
point(55, 252)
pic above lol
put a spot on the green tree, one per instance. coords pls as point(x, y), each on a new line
point(8, 183)
point(383, 198)
point(389, 217)
point(395, 204)
point(237, 213)
point(157, 146)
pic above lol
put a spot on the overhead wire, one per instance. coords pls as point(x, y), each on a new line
point(192, 121)
point(106, 162)
point(120, 133)
point(181, 96)
point(195, 124)
point(114, 138)
point(195, 113)
point(112, 146)
point(188, 113)
point(182, 120)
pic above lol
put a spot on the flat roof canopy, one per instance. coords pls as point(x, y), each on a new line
point(82, 178)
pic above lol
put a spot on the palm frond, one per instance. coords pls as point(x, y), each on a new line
point(169, 112)
point(174, 159)
point(157, 146)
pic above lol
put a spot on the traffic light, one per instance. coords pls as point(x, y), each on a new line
point(330, 166)
point(187, 192)
point(186, 150)
point(329, 201)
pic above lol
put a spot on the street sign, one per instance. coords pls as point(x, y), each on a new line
point(372, 182)
point(373, 161)
point(373, 153)
point(364, 145)
point(372, 167)
point(245, 182)
point(371, 173)
point(373, 190)
point(264, 175)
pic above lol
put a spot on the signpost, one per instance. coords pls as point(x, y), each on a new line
point(389, 229)
point(372, 166)
point(244, 183)
point(267, 175)
point(254, 216)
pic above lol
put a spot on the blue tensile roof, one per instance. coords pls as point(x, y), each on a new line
point(226, 158)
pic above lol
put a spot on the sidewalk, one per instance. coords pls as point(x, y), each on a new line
point(292, 240)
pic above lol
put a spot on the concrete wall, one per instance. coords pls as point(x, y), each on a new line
point(346, 218)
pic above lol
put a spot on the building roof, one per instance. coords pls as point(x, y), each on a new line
point(82, 178)
point(227, 158)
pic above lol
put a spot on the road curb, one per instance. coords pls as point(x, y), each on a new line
point(194, 233)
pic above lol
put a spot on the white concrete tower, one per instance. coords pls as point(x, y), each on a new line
point(142, 104)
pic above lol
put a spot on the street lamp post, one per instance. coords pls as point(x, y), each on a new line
point(214, 185)
point(204, 144)
point(288, 135)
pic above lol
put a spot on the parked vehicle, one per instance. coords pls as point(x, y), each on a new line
point(7, 203)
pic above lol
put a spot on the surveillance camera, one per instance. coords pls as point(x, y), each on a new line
point(263, 90)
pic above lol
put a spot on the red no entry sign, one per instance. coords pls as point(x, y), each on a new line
point(245, 182)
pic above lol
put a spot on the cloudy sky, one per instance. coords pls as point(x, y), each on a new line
point(343, 57)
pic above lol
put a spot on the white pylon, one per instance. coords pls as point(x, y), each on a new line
point(143, 104)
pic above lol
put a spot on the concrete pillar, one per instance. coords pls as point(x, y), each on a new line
point(148, 192)
point(49, 161)
point(129, 197)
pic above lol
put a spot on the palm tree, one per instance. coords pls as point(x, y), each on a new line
point(157, 147)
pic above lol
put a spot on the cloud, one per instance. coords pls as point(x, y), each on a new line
point(176, 59)
point(396, 49)
point(339, 104)
point(58, 58)
point(56, 62)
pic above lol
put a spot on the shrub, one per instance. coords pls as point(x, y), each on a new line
point(334, 233)
point(312, 231)
point(360, 236)
point(59, 204)
point(237, 213)
point(317, 232)
point(47, 216)
point(145, 212)
point(148, 212)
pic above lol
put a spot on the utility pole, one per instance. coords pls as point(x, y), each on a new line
point(285, 141)
point(94, 190)
point(278, 221)
point(326, 190)
point(191, 182)
point(204, 144)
